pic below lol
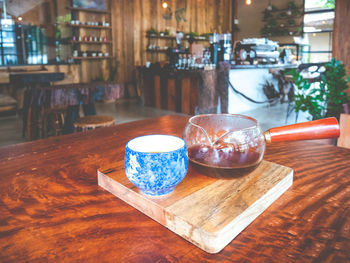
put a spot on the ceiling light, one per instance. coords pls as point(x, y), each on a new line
point(165, 4)
point(20, 18)
point(248, 2)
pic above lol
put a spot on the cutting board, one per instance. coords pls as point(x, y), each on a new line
point(206, 211)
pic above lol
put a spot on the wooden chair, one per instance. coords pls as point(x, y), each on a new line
point(53, 122)
point(344, 138)
point(93, 122)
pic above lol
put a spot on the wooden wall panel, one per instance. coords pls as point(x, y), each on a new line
point(132, 18)
point(341, 34)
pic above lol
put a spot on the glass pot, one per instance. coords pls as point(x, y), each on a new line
point(226, 145)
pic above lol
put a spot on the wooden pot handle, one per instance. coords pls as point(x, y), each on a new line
point(312, 130)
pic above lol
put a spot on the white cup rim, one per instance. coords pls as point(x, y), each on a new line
point(156, 143)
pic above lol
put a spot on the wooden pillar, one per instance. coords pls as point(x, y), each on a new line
point(341, 34)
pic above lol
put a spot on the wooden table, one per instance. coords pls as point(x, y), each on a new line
point(51, 209)
point(35, 77)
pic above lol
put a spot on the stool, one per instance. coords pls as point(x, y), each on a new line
point(93, 122)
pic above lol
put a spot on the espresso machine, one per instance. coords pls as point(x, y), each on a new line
point(256, 50)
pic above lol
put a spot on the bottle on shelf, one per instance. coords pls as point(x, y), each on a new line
point(185, 62)
point(180, 63)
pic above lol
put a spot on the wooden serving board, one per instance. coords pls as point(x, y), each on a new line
point(206, 211)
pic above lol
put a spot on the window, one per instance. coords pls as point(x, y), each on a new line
point(21, 44)
point(7, 42)
point(318, 30)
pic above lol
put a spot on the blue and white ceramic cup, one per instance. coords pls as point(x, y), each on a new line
point(156, 163)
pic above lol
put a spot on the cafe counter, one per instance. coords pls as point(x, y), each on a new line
point(185, 91)
point(207, 91)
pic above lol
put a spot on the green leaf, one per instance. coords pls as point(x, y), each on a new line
point(325, 98)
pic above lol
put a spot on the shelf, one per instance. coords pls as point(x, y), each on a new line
point(97, 57)
point(161, 37)
point(157, 50)
point(92, 42)
point(88, 26)
point(174, 38)
point(88, 10)
point(89, 22)
point(197, 39)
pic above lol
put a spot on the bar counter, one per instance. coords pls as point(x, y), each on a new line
point(52, 210)
point(207, 91)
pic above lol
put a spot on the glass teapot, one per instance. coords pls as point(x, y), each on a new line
point(236, 143)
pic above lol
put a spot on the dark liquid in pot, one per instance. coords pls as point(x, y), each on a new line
point(223, 160)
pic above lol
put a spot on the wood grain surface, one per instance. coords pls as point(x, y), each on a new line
point(51, 208)
point(132, 18)
point(344, 138)
point(205, 211)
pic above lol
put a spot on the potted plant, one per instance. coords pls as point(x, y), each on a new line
point(164, 33)
point(191, 37)
point(206, 35)
point(151, 32)
point(293, 8)
point(327, 99)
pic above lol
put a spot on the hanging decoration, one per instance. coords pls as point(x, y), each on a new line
point(168, 12)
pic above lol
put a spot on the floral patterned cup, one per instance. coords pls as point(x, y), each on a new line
point(156, 163)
